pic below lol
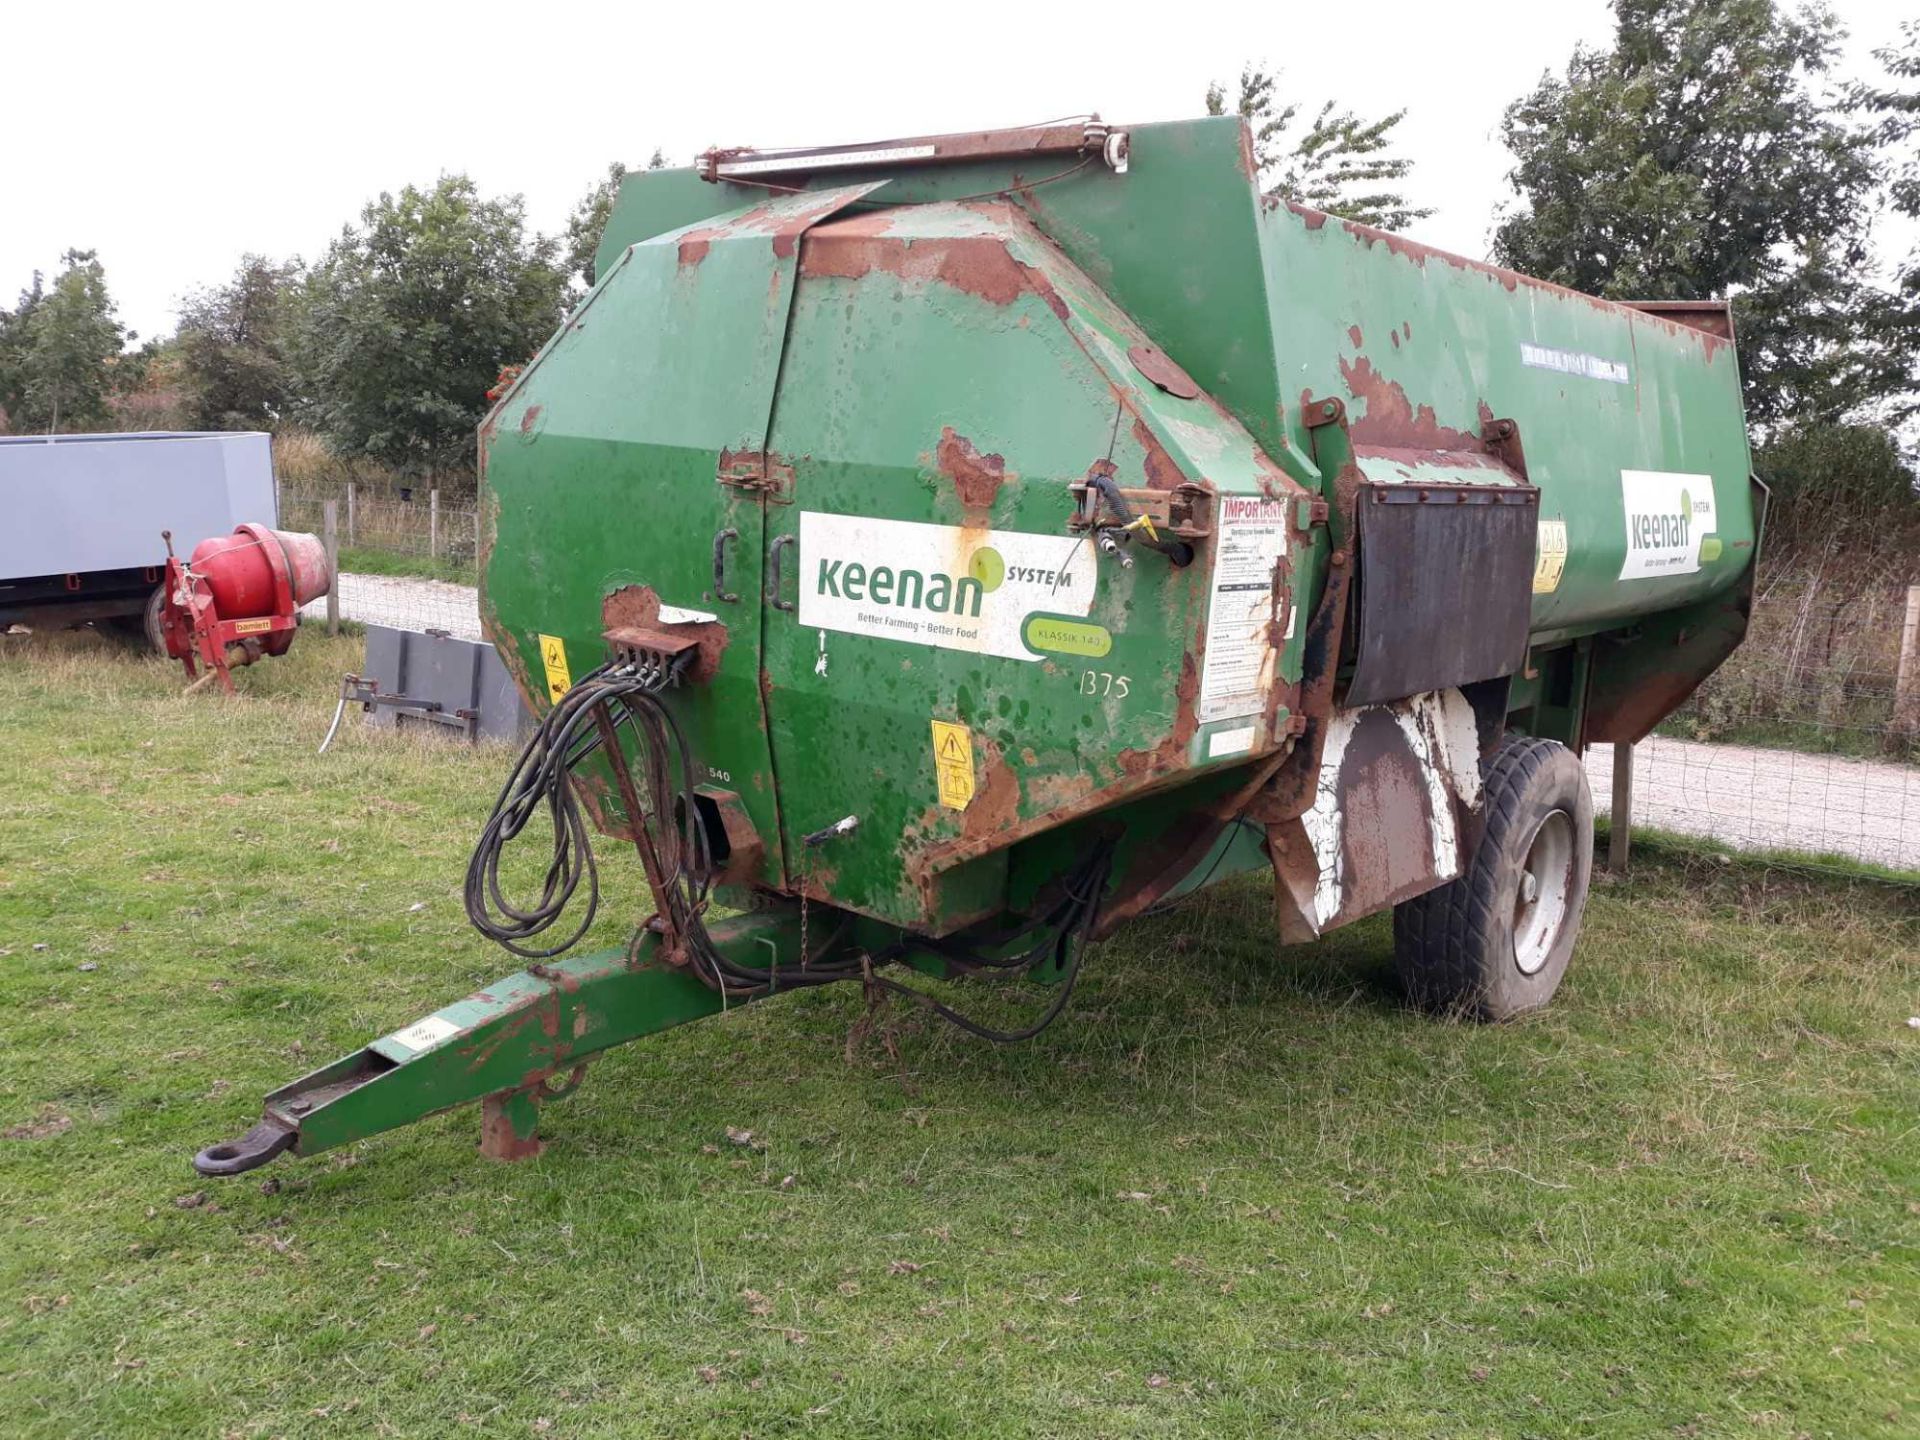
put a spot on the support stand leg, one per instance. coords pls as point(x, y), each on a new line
point(1620, 822)
point(509, 1125)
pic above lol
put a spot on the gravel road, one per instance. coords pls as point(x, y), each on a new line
point(1771, 799)
point(405, 604)
point(1746, 797)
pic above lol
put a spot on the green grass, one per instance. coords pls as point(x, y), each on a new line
point(364, 561)
point(1236, 1191)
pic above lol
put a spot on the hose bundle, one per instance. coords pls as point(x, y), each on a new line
point(629, 696)
point(566, 737)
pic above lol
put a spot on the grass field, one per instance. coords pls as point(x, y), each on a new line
point(1236, 1191)
point(365, 561)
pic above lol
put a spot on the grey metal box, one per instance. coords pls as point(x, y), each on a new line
point(415, 670)
point(73, 504)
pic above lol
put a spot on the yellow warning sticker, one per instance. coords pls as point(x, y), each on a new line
point(553, 655)
point(1552, 561)
point(953, 763)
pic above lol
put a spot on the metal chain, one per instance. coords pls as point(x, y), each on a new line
point(803, 908)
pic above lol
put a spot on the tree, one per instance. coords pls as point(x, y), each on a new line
point(1693, 160)
point(15, 341)
point(1340, 165)
point(1896, 112)
point(1842, 486)
point(407, 319)
point(232, 347)
point(589, 219)
point(57, 350)
point(151, 390)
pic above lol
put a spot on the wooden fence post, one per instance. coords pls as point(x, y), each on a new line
point(333, 563)
point(433, 522)
point(1906, 685)
point(352, 533)
point(1620, 822)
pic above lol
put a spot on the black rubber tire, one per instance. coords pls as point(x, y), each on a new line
point(144, 628)
point(150, 620)
point(1455, 945)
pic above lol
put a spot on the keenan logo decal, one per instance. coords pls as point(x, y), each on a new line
point(907, 589)
point(1670, 519)
point(943, 585)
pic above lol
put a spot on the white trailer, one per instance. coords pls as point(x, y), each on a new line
point(81, 517)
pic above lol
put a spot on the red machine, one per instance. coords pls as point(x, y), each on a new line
point(237, 597)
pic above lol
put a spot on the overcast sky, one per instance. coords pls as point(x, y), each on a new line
point(173, 138)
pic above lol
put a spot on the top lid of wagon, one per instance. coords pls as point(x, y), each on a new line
point(1088, 136)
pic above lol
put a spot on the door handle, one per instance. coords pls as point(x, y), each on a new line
point(720, 539)
point(776, 582)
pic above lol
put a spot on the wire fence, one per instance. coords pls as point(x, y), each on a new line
point(1806, 740)
point(403, 602)
point(408, 554)
point(1820, 806)
point(1821, 669)
point(401, 522)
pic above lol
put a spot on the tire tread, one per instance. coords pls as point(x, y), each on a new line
point(1438, 935)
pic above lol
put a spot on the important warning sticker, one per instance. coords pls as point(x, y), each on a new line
point(553, 655)
point(1250, 540)
point(1550, 561)
point(953, 763)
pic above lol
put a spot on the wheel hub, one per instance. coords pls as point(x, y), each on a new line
point(1546, 882)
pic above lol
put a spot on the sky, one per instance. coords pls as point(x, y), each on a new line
point(175, 138)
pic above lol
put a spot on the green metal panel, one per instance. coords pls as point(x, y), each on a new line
point(601, 464)
point(1428, 347)
point(650, 203)
point(949, 375)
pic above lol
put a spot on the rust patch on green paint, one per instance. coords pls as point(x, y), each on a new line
point(1163, 471)
point(1312, 219)
point(996, 806)
point(637, 607)
point(1391, 419)
point(1171, 751)
point(976, 477)
point(978, 265)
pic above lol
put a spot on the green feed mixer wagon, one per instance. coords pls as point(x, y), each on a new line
point(929, 555)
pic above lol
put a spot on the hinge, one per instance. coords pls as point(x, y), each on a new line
point(1329, 411)
point(1502, 439)
point(758, 470)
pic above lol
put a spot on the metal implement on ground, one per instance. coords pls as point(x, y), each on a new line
point(237, 598)
point(431, 679)
point(939, 552)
